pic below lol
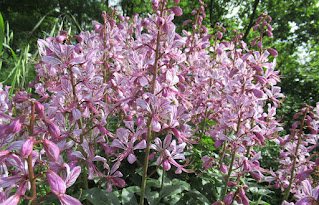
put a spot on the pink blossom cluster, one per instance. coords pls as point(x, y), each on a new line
point(298, 158)
point(158, 86)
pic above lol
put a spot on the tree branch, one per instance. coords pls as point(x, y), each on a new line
point(251, 22)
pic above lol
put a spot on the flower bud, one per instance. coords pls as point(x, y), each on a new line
point(246, 165)
point(253, 43)
point(51, 150)
point(78, 38)
point(39, 109)
point(177, 10)
point(273, 52)
point(264, 24)
point(261, 79)
point(152, 156)
point(166, 165)
point(256, 27)
point(258, 20)
point(187, 22)
point(218, 143)
point(155, 4)
point(52, 129)
point(229, 198)
point(14, 127)
point(129, 117)
point(120, 17)
point(204, 29)
point(112, 22)
point(223, 168)
point(245, 187)
point(258, 69)
point(295, 125)
point(194, 12)
point(219, 35)
point(231, 184)
point(60, 38)
point(97, 27)
point(78, 49)
point(258, 93)
point(27, 147)
point(145, 22)
point(176, 1)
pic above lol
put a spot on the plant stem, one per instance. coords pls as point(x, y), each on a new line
point(228, 175)
point(149, 129)
point(145, 167)
point(295, 157)
point(30, 167)
point(79, 122)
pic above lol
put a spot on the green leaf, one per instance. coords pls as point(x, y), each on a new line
point(1, 32)
point(193, 197)
point(177, 187)
point(128, 197)
point(101, 197)
point(211, 122)
point(37, 25)
point(13, 53)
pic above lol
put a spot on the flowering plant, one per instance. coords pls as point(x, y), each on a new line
point(133, 91)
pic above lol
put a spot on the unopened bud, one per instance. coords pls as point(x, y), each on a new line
point(120, 17)
point(51, 150)
point(187, 22)
point(14, 126)
point(166, 165)
point(39, 109)
point(256, 27)
point(53, 130)
point(273, 52)
point(27, 147)
point(223, 168)
point(231, 184)
point(177, 10)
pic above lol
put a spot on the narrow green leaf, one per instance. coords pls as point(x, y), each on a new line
point(1, 32)
point(38, 24)
point(13, 53)
point(76, 23)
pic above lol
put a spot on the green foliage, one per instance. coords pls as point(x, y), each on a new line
point(1, 32)
point(101, 197)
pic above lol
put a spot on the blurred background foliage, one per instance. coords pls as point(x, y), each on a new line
point(295, 23)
